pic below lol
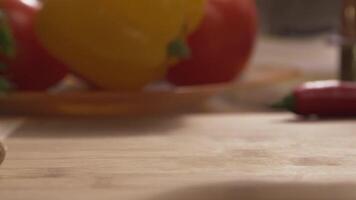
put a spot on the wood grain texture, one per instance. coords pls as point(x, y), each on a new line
point(198, 156)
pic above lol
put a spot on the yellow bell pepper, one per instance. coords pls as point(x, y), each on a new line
point(116, 44)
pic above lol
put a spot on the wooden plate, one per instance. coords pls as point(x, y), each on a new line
point(90, 103)
point(79, 103)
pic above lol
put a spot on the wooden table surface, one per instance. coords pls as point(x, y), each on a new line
point(191, 156)
point(203, 156)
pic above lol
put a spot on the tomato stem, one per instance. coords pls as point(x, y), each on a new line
point(7, 45)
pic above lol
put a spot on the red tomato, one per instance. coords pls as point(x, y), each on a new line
point(30, 67)
point(221, 46)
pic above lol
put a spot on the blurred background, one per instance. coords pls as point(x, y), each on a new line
point(297, 38)
point(303, 31)
point(299, 17)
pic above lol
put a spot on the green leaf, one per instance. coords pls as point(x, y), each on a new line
point(5, 85)
point(7, 44)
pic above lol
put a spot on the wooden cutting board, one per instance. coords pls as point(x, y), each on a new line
point(251, 156)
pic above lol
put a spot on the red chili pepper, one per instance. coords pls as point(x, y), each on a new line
point(322, 98)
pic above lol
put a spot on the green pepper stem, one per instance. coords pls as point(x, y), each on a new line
point(179, 49)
